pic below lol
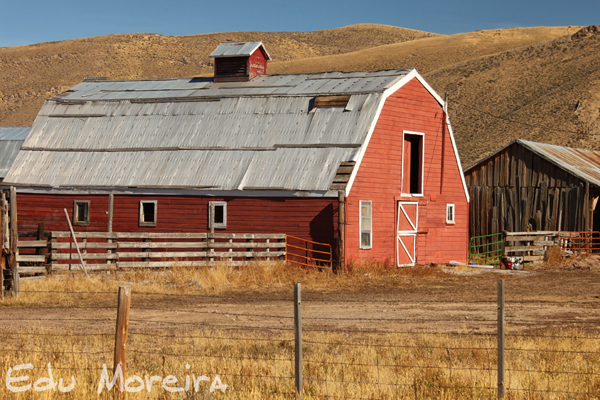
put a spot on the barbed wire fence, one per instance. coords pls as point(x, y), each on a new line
point(203, 347)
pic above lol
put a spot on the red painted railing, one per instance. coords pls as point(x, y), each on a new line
point(307, 253)
point(579, 243)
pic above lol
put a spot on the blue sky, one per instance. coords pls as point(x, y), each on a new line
point(34, 21)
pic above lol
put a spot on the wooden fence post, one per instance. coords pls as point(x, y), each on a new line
point(298, 339)
point(501, 387)
point(342, 231)
point(14, 238)
point(121, 334)
point(82, 263)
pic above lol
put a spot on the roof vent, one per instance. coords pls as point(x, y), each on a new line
point(240, 61)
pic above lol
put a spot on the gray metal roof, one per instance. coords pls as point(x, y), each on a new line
point(14, 132)
point(11, 139)
point(584, 164)
point(198, 89)
point(238, 49)
point(194, 133)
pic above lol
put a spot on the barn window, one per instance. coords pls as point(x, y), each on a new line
point(81, 212)
point(366, 224)
point(412, 163)
point(219, 221)
point(450, 214)
point(148, 212)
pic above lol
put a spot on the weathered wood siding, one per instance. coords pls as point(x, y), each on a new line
point(257, 64)
point(412, 108)
point(310, 218)
point(516, 190)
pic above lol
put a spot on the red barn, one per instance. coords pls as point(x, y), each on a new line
point(365, 161)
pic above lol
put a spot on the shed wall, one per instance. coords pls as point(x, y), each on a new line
point(517, 190)
point(412, 108)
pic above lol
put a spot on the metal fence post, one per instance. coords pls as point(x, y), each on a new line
point(298, 337)
point(121, 334)
point(501, 387)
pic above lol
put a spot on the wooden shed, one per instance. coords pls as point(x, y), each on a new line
point(364, 161)
point(529, 186)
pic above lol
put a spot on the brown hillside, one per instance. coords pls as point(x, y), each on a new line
point(534, 83)
point(31, 74)
point(547, 92)
point(427, 54)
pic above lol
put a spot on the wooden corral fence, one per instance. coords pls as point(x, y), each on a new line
point(9, 278)
point(103, 250)
point(43, 252)
point(531, 246)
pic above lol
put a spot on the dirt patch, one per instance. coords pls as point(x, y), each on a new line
point(585, 264)
point(451, 300)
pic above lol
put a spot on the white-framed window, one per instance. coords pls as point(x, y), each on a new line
point(148, 212)
point(81, 212)
point(219, 220)
point(450, 214)
point(366, 224)
point(413, 156)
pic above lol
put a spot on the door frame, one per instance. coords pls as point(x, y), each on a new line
point(400, 245)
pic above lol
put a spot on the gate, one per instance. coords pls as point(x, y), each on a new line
point(583, 243)
point(487, 249)
point(307, 253)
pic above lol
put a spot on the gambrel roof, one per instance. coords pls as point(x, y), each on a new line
point(275, 133)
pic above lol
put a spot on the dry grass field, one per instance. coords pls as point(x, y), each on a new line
point(425, 332)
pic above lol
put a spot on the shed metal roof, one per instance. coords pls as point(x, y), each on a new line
point(11, 139)
point(198, 134)
point(584, 164)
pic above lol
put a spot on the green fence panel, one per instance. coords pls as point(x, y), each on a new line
point(486, 249)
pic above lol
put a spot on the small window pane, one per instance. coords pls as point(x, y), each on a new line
point(365, 239)
point(366, 223)
point(81, 213)
point(219, 214)
point(148, 213)
point(450, 214)
point(219, 219)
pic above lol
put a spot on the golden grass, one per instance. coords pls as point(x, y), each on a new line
point(219, 279)
point(259, 365)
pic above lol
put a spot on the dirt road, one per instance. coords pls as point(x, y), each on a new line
point(453, 300)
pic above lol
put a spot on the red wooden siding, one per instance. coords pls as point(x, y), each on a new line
point(257, 64)
point(411, 108)
point(310, 218)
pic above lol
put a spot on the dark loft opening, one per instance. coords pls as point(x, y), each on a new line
point(82, 213)
point(148, 212)
point(413, 163)
point(219, 214)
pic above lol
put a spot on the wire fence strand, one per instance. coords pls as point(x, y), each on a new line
point(202, 345)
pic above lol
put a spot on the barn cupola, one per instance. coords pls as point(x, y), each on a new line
point(240, 61)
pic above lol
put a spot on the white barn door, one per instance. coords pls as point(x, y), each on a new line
point(407, 227)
